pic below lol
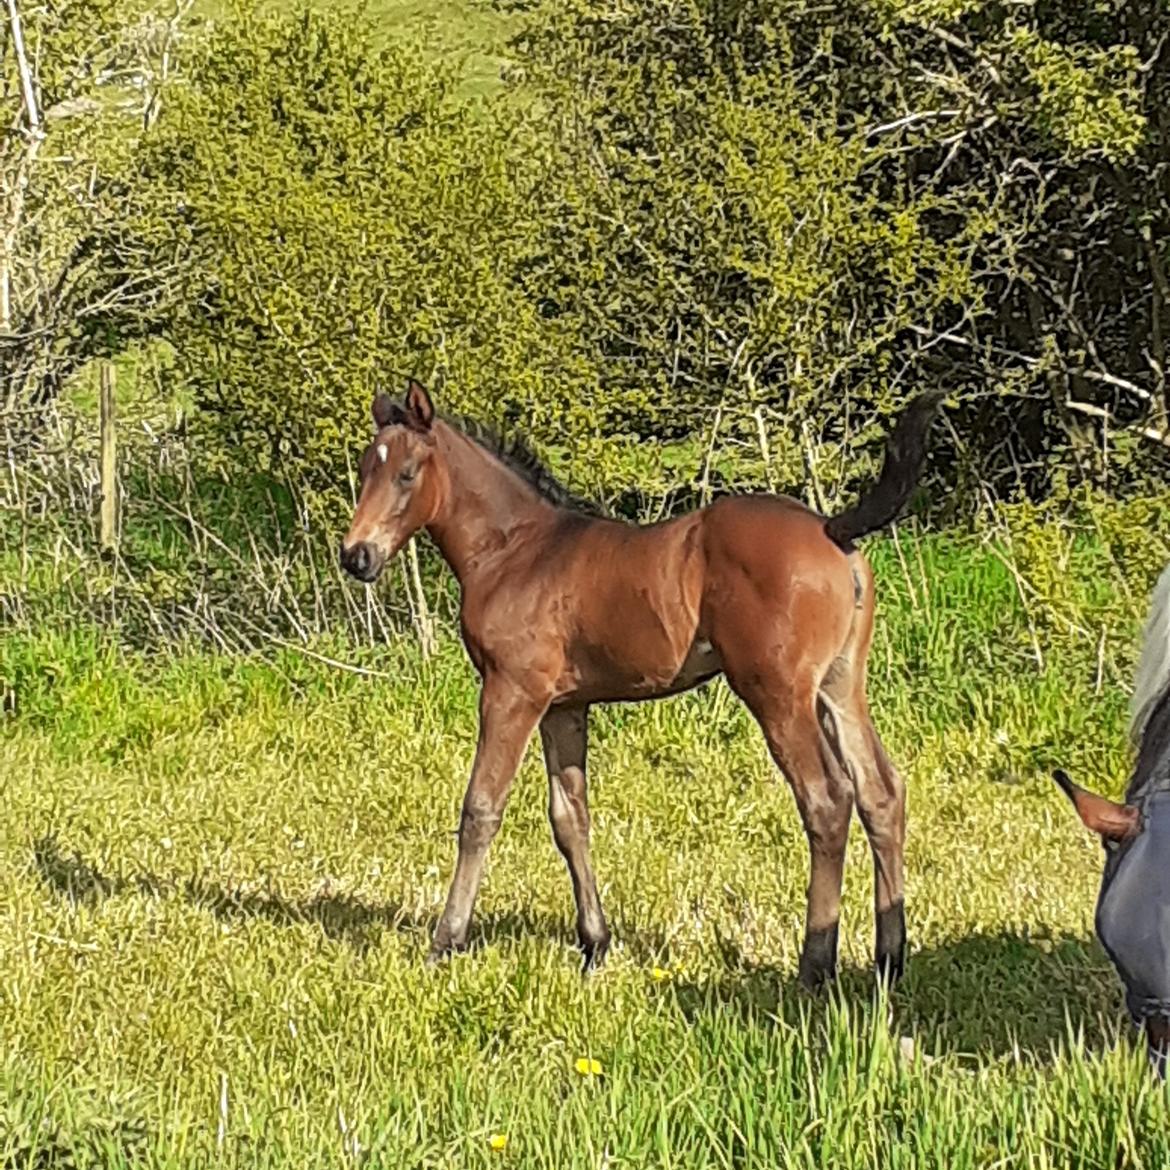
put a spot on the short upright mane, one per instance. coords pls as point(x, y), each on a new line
point(1153, 672)
point(513, 451)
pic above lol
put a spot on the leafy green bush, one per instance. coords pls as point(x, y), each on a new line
point(1087, 570)
point(727, 244)
point(784, 214)
point(345, 225)
point(699, 245)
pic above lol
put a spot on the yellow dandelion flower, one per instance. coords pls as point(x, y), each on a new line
point(588, 1067)
point(498, 1142)
point(659, 974)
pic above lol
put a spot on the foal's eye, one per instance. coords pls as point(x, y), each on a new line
point(406, 475)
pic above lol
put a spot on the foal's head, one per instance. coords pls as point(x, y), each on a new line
point(402, 483)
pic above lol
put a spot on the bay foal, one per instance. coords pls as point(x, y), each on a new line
point(561, 610)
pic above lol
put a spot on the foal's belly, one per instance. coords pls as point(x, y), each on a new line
point(634, 600)
point(612, 681)
point(700, 664)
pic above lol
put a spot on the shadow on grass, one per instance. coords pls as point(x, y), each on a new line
point(42, 1145)
point(341, 917)
point(986, 994)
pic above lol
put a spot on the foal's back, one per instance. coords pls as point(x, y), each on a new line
point(635, 611)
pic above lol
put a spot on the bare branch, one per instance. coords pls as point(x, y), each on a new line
point(26, 80)
point(910, 120)
point(1152, 433)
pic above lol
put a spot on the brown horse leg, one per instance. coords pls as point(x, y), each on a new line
point(881, 802)
point(507, 717)
point(564, 734)
point(824, 796)
point(881, 806)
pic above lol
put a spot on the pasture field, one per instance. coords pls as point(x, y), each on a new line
point(220, 875)
point(219, 871)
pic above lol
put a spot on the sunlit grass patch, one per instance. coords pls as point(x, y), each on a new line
point(221, 874)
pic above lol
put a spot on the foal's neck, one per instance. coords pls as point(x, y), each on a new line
point(484, 505)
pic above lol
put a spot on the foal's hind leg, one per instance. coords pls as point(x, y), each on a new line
point(881, 799)
point(881, 805)
point(564, 734)
point(879, 790)
point(788, 717)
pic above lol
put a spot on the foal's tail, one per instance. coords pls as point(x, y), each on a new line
point(905, 455)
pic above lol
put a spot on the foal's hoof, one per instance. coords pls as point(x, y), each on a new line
point(890, 968)
point(815, 978)
point(818, 959)
point(593, 952)
point(441, 952)
point(890, 944)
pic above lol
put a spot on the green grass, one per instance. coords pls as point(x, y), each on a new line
point(220, 875)
point(470, 32)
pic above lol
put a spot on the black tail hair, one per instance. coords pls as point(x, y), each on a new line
point(905, 455)
point(1066, 785)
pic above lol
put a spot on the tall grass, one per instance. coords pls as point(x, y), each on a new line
point(227, 830)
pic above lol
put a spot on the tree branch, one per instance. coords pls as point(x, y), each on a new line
point(1152, 433)
point(26, 80)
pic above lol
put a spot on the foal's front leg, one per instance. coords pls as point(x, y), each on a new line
point(564, 733)
point(507, 717)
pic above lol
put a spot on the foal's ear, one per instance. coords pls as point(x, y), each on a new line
point(1113, 821)
point(386, 410)
point(420, 410)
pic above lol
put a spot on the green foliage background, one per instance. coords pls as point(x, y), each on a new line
point(341, 232)
point(696, 244)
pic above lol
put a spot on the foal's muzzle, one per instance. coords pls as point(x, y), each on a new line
point(362, 560)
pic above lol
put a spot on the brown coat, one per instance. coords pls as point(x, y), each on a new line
point(561, 610)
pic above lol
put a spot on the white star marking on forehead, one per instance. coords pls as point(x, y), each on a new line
point(382, 452)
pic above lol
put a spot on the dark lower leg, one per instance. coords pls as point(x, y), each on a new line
point(476, 830)
point(890, 944)
point(818, 957)
point(888, 902)
point(827, 836)
point(824, 797)
point(881, 804)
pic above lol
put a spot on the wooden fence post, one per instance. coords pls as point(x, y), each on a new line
point(109, 457)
